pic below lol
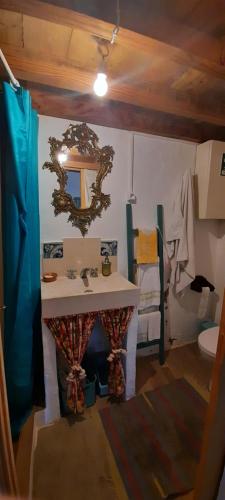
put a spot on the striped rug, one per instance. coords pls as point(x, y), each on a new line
point(156, 438)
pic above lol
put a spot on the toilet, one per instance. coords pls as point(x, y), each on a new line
point(207, 342)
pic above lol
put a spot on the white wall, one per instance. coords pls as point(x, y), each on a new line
point(158, 167)
point(159, 164)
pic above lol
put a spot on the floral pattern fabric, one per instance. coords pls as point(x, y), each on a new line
point(115, 323)
point(71, 334)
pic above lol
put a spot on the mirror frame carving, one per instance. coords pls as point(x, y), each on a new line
point(86, 142)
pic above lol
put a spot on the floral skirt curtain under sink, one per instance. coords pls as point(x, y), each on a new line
point(72, 333)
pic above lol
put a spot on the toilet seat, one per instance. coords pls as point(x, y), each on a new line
point(208, 341)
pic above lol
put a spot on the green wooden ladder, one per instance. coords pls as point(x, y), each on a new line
point(131, 234)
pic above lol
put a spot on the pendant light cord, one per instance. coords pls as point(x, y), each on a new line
point(103, 45)
point(117, 26)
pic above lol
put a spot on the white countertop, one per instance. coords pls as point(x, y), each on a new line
point(65, 296)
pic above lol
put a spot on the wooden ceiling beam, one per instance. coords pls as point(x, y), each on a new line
point(67, 105)
point(57, 74)
point(201, 44)
point(168, 39)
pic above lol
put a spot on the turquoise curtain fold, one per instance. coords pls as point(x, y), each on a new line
point(21, 247)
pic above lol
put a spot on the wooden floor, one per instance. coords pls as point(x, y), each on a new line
point(181, 362)
point(22, 453)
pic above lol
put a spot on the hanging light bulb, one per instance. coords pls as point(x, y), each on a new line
point(100, 85)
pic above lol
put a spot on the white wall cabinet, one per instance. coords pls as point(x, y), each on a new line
point(210, 180)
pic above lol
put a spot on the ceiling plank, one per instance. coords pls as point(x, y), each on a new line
point(68, 77)
point(205, 15)
point(170, 40)
point(189, 79)
point(78, 164)
point(53, 39)
point(11, 28)
point(67, 105)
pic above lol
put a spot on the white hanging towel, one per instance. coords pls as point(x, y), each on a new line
point(149, 282)
point(180, 236)
point(142, 335)
point(149, 326)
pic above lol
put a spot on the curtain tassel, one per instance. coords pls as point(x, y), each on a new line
point(76, 369)
point(114, 352)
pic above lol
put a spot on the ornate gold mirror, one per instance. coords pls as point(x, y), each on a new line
point(80, 165)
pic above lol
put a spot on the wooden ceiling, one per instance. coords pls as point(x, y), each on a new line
point(166, 70)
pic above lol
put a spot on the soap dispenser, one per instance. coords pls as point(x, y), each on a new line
point(106, 267)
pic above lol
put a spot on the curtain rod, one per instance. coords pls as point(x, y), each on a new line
point(14, 81)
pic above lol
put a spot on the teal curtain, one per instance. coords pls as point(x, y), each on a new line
point(21, 247)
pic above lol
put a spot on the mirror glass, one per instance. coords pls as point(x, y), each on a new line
point(81, 175)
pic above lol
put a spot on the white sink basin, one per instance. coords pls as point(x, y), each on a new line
point(65, 296)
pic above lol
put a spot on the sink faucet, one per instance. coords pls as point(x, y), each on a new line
point(83, 273)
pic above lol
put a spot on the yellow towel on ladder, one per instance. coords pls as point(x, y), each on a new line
point(147, 248)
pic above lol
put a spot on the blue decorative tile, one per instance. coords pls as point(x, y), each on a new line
point(109, 247)
point(53, 250)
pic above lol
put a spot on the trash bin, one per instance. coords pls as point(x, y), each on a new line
point(89, 392)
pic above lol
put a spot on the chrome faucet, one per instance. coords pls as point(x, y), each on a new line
point(83, 273)
point(84, 277)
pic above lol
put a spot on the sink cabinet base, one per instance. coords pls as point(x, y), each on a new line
point(52, 410)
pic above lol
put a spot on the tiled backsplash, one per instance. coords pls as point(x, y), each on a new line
point(76, 253)
point(109, 247)
point(53, 250)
